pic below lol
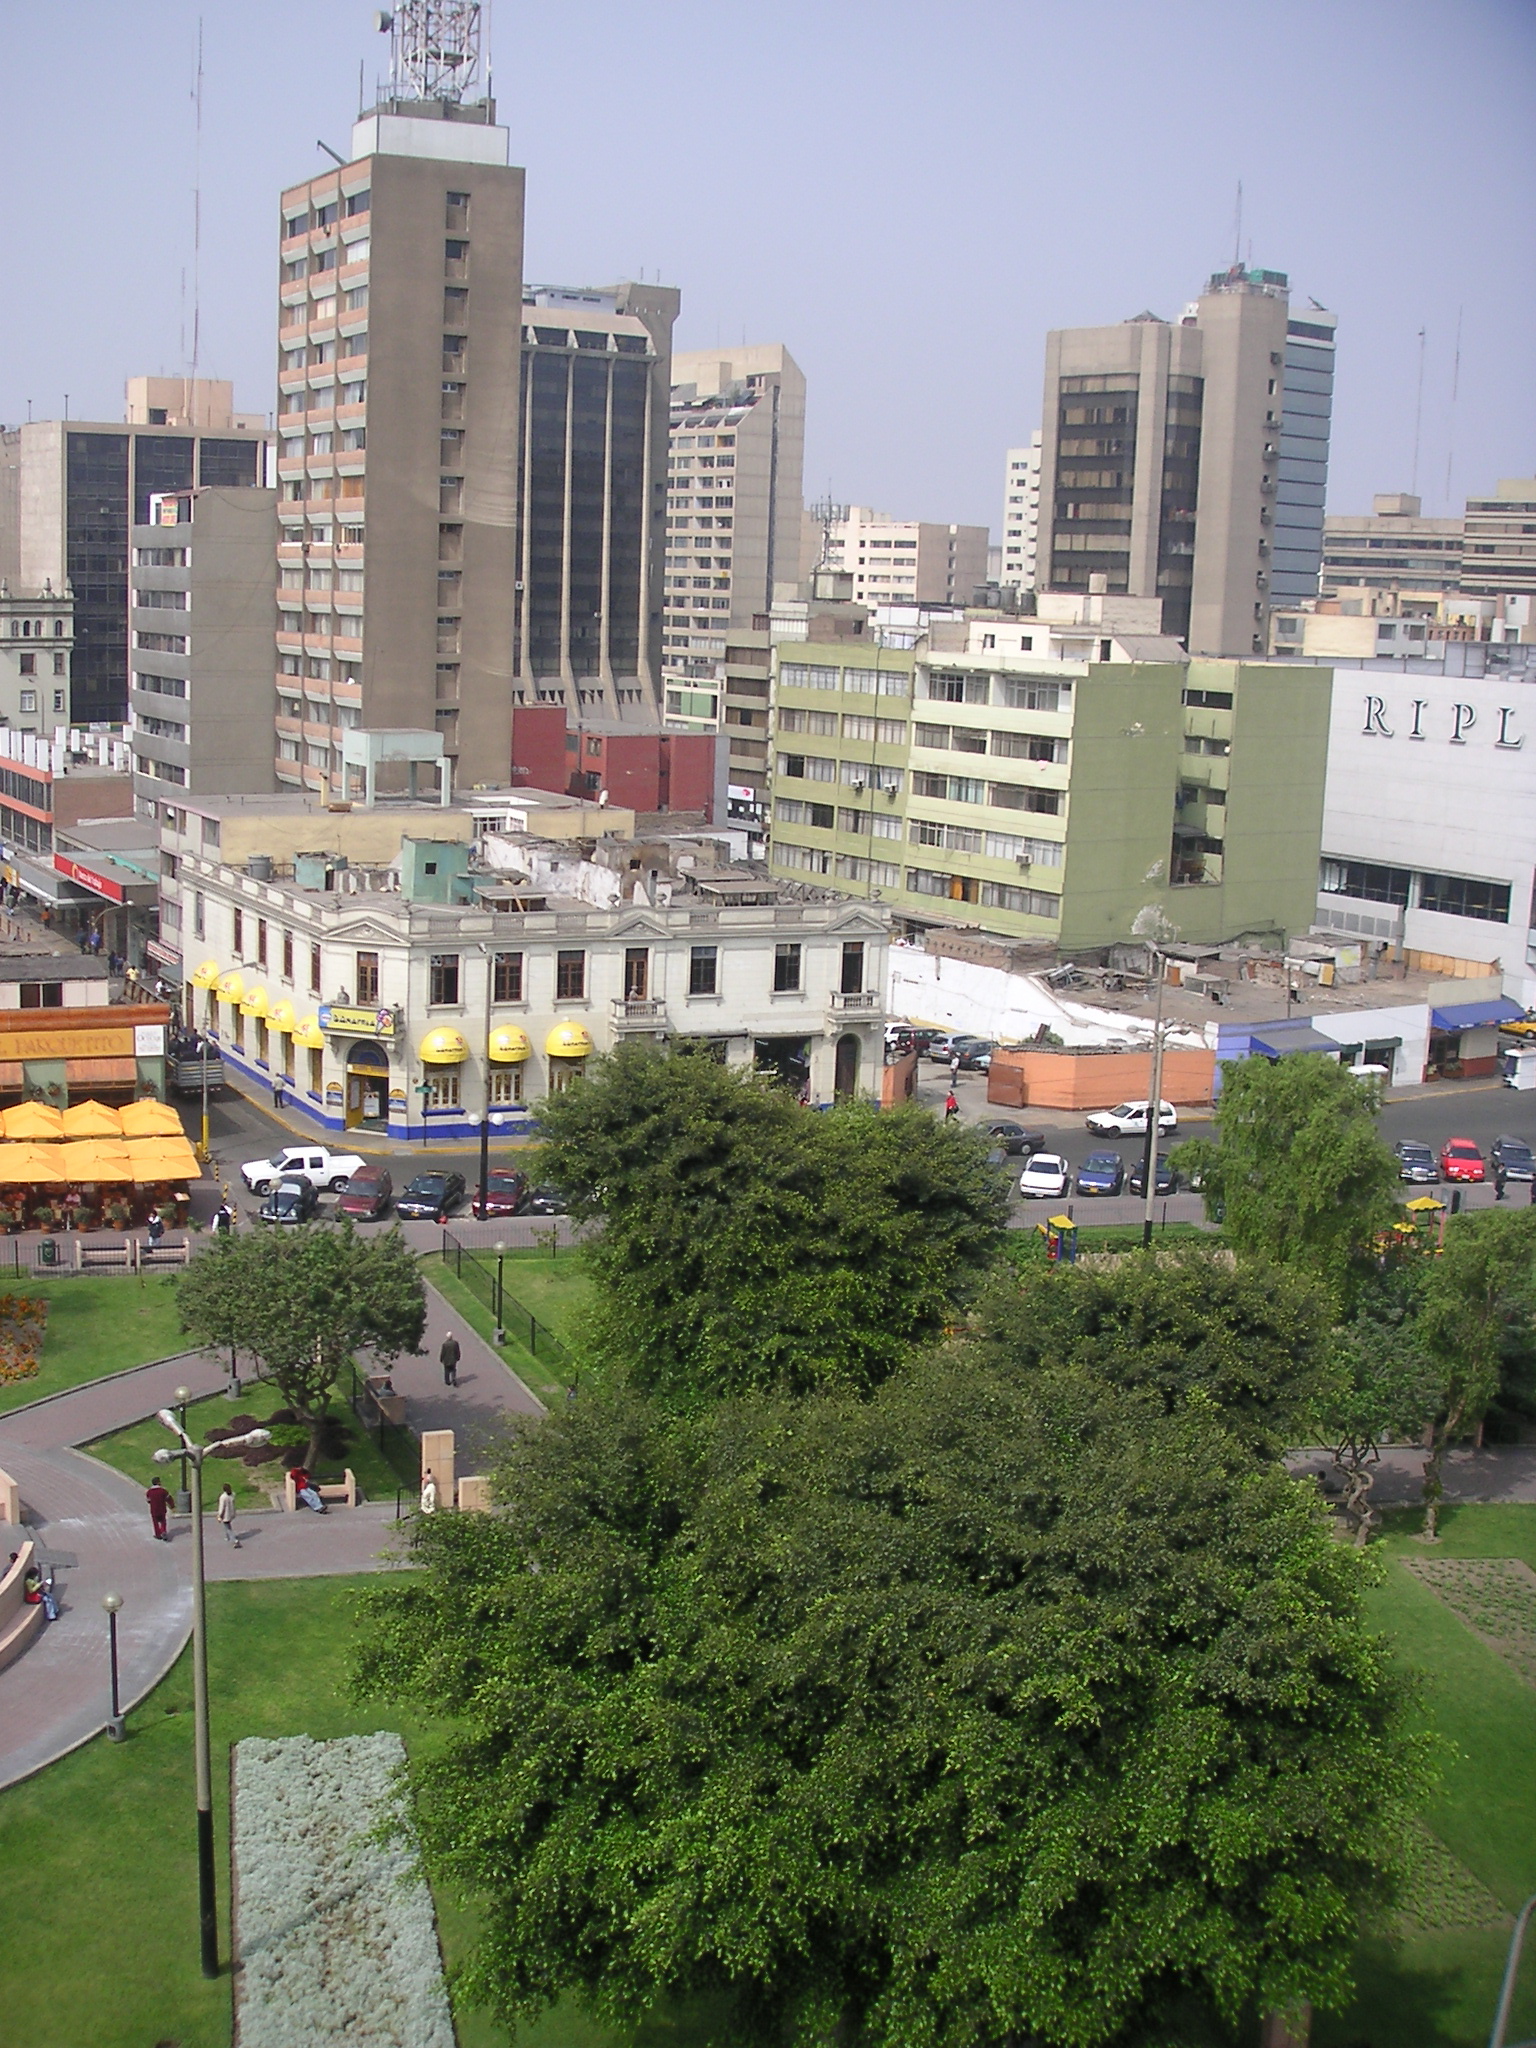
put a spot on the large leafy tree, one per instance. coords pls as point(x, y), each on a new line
point(1297, 1172)
point(747, 1242)
point(1385, 1385)
point(1478, 1301)
point(997, 1705)
point(304, 1302)
point(1193, 1325)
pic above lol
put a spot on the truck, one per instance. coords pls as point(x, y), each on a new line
point(189, 1074)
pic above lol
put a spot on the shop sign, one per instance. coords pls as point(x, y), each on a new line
point(149, 1041)
point(88, 878)
point(166, 955)
point(357, 1023)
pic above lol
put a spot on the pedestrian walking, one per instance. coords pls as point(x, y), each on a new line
point(954, 1069)
point(449, 1359)
point(159, 1508)
point(156, 1226)
point(1498, 1183)
point(226, 1513)
point(951, 1106)
point(279, 1098)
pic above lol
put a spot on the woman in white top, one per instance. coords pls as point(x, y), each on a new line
point(227, 1514)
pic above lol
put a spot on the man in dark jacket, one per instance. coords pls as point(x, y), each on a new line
point(159, 1508)
point(449, 1356)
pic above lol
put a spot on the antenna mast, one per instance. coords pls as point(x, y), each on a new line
point(434, 49)
point(1418, 416)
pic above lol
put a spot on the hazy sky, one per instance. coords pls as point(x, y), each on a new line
point(906, 195)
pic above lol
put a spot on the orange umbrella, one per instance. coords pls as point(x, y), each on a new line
point(95, 1159)
point(91, 1120)
point(155, 1159)
point(149, 1119)
point(24, 1165)
point(33, 1120)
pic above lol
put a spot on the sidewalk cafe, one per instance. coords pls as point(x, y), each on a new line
point(93, 1166)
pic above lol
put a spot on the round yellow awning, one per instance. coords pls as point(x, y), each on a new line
point(507, 1045)
point(309, 1034)
point(204, 976)
point(568, 1042)
point(231, 987)
point(254, 1003)
point(444, 1047)
point(281, 1016)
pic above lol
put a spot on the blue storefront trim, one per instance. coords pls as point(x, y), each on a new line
point(444, 1124)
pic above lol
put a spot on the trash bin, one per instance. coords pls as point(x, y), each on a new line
point(48, 1252)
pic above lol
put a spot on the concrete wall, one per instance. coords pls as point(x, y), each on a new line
point(1080, 1078)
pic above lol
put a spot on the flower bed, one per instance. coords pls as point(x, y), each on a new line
point(22, 1320)
point(335, 1939)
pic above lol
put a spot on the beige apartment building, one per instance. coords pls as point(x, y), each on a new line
point(1187, 460)
point(400, 307)
point(1021, 516)
point(904, 561)
point(1393, 547)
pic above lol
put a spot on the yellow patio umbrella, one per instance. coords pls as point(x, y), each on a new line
point(92, 1120)
point(155, 1159)
point(24, 1165)
point(33, 1120)
point(95, 1159)
point(149, 1119)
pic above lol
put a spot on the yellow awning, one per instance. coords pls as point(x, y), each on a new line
point(507, 1045)
point(444, 1047)
point(281, 1015)
point(92, 1120)
point(29, 1120)
point(568, 1042)
point(231, 986)
point(254, 1003)
point(31, 1165)
point(155, 1159)
point(95, 1159)
point(204, 976)
point(149, 1119)
point(309, 1035)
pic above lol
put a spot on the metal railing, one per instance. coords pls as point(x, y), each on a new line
point(485, 1277)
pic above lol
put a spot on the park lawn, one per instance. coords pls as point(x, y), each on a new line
point(98, 1323)
point(131, 1452)
point(1438, 1989)
point(1026, 1246)
point(555, 1291)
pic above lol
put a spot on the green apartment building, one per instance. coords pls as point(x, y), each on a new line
point(1051, 799)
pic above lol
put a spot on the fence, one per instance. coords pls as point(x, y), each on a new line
point(69, 1253)
point(486, 1281)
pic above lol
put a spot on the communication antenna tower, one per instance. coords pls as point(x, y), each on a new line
point(827, 513)
point(434, 48)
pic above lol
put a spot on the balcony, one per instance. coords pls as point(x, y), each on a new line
point(863, 1006)
point(639, 1013)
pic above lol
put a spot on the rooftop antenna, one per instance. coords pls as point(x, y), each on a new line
point(1450, 453)
point(1418, 417)
point(1237, 228)
point(434, 48)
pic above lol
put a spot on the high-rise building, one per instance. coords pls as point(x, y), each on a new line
point(71, 490)
point(591, 497)
point(401, 285)
point(901, 560)
point(1499, 558)
point(1394, 548)
point(733, 539)
point(1189, 462)
point(1021, 517)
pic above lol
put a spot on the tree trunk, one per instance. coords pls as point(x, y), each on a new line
point(1291, 2029)
point(1434, 1467)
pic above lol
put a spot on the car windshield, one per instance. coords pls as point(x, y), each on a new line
point(1044, 1162)
point(1463, 1148)
point(1126, 1109)
point(1102, 1159)
point(361, 1184)
point(289, 1193)
point(426, 1184)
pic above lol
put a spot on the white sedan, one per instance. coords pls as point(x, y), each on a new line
point(1047, 1174)
point(1129, 1119)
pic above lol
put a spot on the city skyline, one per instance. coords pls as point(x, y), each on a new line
point(947, 170)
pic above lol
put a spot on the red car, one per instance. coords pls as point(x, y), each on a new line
point(504, 1195)
point(366, 1194)
point(1460, 1160)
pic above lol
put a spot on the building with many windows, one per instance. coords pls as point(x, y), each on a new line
point(896, 560)
point(1021, 517)
point(1499, 550)
point(1393, 548)
point(1052, 776)
point(37, 637)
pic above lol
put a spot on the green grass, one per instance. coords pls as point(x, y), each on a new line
point(1025, 1246)
point(131, 1451)
point(98, 1323)
point(554, 1291)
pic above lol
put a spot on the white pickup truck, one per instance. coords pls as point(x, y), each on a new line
point(322, 1169)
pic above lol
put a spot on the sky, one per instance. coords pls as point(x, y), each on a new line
point(907, 196)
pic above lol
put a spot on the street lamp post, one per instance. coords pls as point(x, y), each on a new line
point(488, 1116)
point(1154, 1107)
point(183, 1498)
point(111, 1602)
point(501, 1252)
point(207, 1905)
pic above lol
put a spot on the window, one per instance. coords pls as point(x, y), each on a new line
point(637, 973)
point(443, 978)
point(704, 970)
point(570, 975)
point(506, 1085)
point(58, 664)
point(946, 688)
point(786, 969)
point(955, 789)
point(316, 1068)
point(238, 941)
point(1028, 746)
point(58, 700)
point(1008, 796)
point(1367, 881)
point(314, 970)
point(367, 969)
point(442, 1088)
point(199, 907)
point(507, 978)
point(287, 955)
point(1031, 696)
point(42, 995)
point(210, 831)
point(808, 767)
point(28, 700)
point(1460, 896)
point(1213, 700)
point(852, 983)
point(29, 668)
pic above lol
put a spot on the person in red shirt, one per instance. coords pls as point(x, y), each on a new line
point(159, 1507)
point(305, 1490)
point(951, 1106)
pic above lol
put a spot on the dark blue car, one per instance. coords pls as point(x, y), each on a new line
point(1101, 1173)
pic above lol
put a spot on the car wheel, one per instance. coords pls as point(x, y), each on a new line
point(339, 1183)
point(262, 1187)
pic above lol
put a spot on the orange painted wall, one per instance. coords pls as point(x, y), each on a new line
point(1085, 1079)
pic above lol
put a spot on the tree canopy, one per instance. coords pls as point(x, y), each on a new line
point(1297, 1172)
point(748, 1242)
point(901, 1721)
point(303, 1302)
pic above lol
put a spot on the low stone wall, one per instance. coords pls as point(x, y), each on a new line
point(1084, 1077)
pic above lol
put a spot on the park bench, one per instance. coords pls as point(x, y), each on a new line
point(340, 1493)
point(19, 1623)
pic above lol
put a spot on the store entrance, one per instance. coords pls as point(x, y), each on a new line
point(367, 1086)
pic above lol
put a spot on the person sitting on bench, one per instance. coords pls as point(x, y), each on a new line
point(304, 1489)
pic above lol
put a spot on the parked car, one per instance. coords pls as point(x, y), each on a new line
point(1047, 1174)
point(1415, 1161)
point(1129, 1119)
point(1101, 1173)
point(1164, 1180)
point(975, 1055)
point(1015, 1138)
point(1522, 1027)
point(291, 1201)
point(1514, 1156)
point(504, 1195)
point(543, 1200)
point(322, 1169)
point(434, 1195)
point(367, 1194)
point(949, 1045)
point(1461, 1160)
